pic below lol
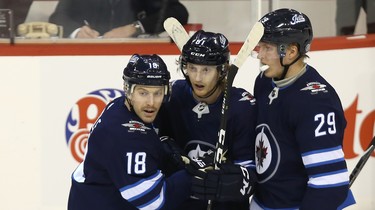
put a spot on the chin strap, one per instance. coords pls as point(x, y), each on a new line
point(130, 104)
point(210, 93)
point(286, 67)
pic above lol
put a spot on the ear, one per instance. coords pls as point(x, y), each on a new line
point(292, 52)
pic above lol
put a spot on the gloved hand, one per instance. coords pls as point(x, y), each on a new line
point(229, 183)
point(199, 166)
point(174, 153)
point(178, 159)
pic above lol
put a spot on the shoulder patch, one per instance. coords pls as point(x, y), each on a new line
point(136, 126)
point(246, 96)
point(315, 87)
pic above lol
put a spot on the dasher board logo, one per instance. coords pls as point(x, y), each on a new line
point(82, 117)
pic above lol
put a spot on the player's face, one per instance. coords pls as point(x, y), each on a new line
point(146, 101)
point(268, 55)
point(203, 78)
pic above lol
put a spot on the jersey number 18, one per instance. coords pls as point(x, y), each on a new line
point(136, 162)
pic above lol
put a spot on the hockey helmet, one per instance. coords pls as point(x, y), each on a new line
point(206, 48)
point(286, 26)
point(146, 70)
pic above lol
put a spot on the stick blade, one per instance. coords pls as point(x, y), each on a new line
point(176, 31)
point(250, 43)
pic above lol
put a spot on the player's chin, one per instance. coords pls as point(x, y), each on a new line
point(148, 117)
point(201, 92)
point(269, 73)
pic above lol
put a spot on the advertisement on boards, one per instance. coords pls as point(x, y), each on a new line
point(66, 94)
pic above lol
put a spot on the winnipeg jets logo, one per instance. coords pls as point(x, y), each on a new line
point(315, 87)
point(267, 152)
point(200, 109)
point(246, 96)
point(261, 152)
point(297, 19)
point(136, 126)
point(262, 149)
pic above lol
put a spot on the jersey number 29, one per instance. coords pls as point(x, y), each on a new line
point(322, 129)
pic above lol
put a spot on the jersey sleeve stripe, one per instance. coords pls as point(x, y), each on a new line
point(319, 157)
point(155, 203)
point(332, 179)
point(325, 163)
point(321, 151)
point(138, 189)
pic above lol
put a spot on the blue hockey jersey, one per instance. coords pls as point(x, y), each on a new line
point(121, 168)
point(195, 127)
point(299, 156)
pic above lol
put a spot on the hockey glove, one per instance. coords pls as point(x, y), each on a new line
point(199, 166)
point(229, 183)
point(174, 153)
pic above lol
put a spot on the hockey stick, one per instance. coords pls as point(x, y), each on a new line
point(250, 43)
point(362, 161)
point(176, 31)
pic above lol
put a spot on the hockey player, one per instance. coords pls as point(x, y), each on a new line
point(121, 165)
point(299, 157)
point(192, 118)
